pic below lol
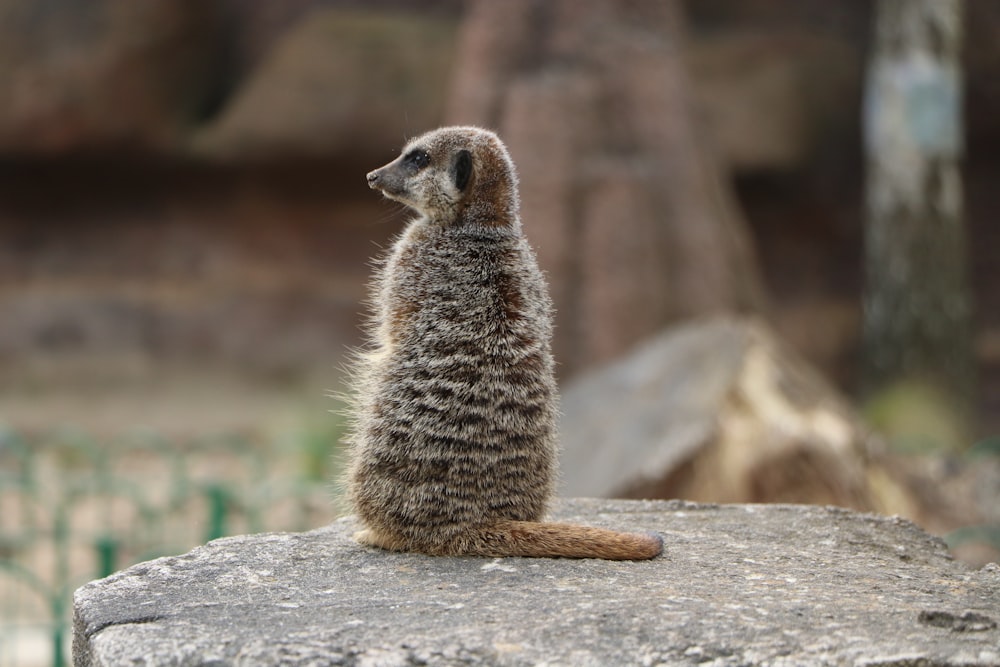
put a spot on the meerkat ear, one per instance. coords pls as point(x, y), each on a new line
point(463, 169)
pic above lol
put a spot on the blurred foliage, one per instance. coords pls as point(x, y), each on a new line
point(986, 447)
point(988, 534)
point(915, 417)
point(985, 534)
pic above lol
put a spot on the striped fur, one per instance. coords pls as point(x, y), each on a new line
point(453, 446)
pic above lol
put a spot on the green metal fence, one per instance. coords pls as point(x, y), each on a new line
point(74, 508)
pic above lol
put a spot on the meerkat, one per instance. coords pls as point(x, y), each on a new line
point(453, 445)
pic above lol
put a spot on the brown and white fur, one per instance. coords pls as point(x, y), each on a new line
point(453, 448)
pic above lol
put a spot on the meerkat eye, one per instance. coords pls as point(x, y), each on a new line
point(417, 159)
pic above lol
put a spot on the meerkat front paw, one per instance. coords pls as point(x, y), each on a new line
point(364, 537)
point(371, 538)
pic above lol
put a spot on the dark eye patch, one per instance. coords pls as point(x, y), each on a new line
point(417, 158)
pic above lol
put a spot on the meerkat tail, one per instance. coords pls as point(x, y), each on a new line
point(534, 539)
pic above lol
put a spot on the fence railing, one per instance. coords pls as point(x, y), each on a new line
point(74, 508)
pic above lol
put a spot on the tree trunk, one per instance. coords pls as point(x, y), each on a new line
point(630, 214)
point(917, 299)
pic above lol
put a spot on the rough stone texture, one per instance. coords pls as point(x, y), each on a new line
point(738, 585)
point(717, 410)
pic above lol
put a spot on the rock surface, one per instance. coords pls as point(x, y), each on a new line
point(738, 585)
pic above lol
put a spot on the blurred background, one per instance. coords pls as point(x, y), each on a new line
point(768, 226)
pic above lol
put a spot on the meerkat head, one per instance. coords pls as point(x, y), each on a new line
point(453, 175)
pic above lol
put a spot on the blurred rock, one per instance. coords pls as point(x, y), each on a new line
point(338, 82)
point(239, 80)
point(107, 77)
point(769, 101)
point(258, 24)
point(772, 78)
point(717, 410)
point(104, 73)
point(259, 272)
point(631, 215)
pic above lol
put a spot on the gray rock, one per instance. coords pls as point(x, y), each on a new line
point(104, 74)
point(715, 410)
point(334, 77)
point(738, 585)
